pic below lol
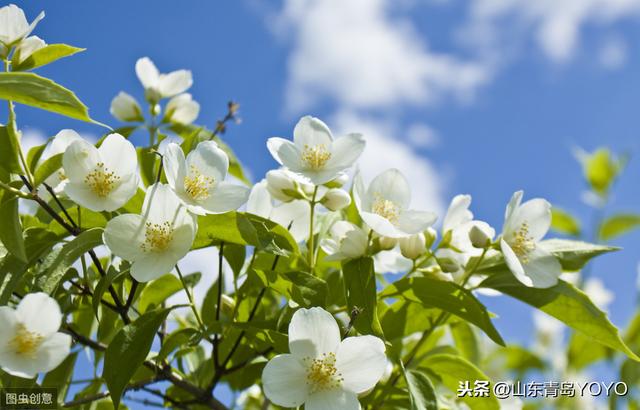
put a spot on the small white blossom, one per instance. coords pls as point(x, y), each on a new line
point(314, 153)
point(322, 372)
point(347, 241)
point(156, 240)
point(336, 199)
point(58, 145)
point(384, 206)
point(414, 246)
point(27, 47)
point(158, 86)
point(286, 186)
point(29, 341)
point(199, 179)
point(182, 109)
point(125, 108)
point(14, 25)
point(525, 225)
point(101, 179)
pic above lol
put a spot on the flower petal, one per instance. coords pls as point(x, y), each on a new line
point(209, 160)
point(542, 268)
point(310, 131)
point(118, 155)
point(39, 313)
point(167, 207)
point(392, 186)
point(381, 225)
point(345, 151)
point(175, 83)
point(61, 142)
point(52, 352)
point(226, 197)
point(8, 320)
point(513, 204)
point(284, 380)
point(285, 152)
point(181, 241)
point(332, 400)
point(151, 266)
point(259, 202)
point(147, 72)
point(313, 332)
point(124, 236)
point(514, 264)
point(294, 213)
point(361, 362)
point(458, 212)
point(174, 166)
point(537, 214)
point(79, 159)
point(413, 222)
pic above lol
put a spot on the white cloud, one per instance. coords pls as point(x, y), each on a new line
point(360, 55)
point(422, 135)
point(613, 53)
point(386, 149)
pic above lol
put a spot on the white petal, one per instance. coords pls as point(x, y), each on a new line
point(33, 24)
point(182, 109)
point(39, 313)
point(124, 236)
point(413, 222)
point(174, 83)
point(14, 25)
point(161, 205)
point(209, 160)
point(151, 266)
point(79, 159)
point(458, 212)
point(8, 320)
point(537, 214)
point(514, 264)
point(313, 332)
point(330, 247)
point(310, 131)
point(83, 195)
point(345, 151)
point(361, 362)
point(360, 194)
point(181, 241)
point(118, 155)
point(392, 186)
point(542, 268)
point(513, 204)
point(294, 213)
point(125, 108)
point(174, 165)
point(332, 400)
point(61, 141)
point(285, 152)
point(226, 197)
point(284, 381)
point(52, 352)
point(322, 176)
point(381, 225)
point(259, 202)
point(27, 47)
point(147, 72)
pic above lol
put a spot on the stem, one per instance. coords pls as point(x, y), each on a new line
point(312, 259)
point(11, 128)
point(191, 301)
point(15, 191)
point(216, 337)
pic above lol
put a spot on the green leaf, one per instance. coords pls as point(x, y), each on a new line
point(31, 89)
point(600, 169)
point(301, 287)
point(11, 229)
point(9, 154)
point(465, 340)
point(46, 55)
point(161, 289)
point(421, 391)
point(447, 296)
point(47, 168)
point(360, 285)
point(34, 155)
point(564, 222)
point(453, 370)
point(128, 350)
point(617, 225)
point(582, 352)
point(179, 338)
point(567, 304)
point(56, 263)
point(102, 286)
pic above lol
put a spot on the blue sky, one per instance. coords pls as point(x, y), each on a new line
point(481, 97)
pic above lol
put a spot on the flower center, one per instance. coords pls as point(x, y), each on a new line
point(322, 373)
point(198, 185)
point(386, 209)
point(101, 180)
point(25, 342)
point(157, 237)
point(523, 243)
point(315, 157)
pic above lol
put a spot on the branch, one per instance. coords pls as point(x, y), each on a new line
point(102, 395)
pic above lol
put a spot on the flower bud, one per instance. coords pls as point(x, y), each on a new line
point(335, 199)
point(182, 109)
point(338, 181)
point(431, 235)
point(449, 265)
point(386, 243)
point(27, 47)
point(413, 246)
point(281, 185)
point(125, 108)
point(227, 306)
point(479, 238)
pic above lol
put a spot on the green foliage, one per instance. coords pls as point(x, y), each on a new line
point(421, 391)
point(617, 225)
point(362, 302)
point(563, 222)
point(600, 169)
point(47, 168)
point(46, 55)
point(11, 228)
point(9, 151)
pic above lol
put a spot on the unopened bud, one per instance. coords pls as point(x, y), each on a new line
point(125, 108)
point(281, 185)
point(448, 265)
point(335, 199)
point(431, 235)
point(228, 305)
point(479, 238)
point(413, 246)
point(338, 181)
point(386, 243)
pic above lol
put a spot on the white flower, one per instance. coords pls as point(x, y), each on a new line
point(158, 85)
point(384, 206)
point(198, 180)
point(182, 109)
point(156, 240)
point(525, 225)
point(29, 341)
point(101, 179)
point(322, 372)
point(336, 199)
point(295, 213)
point(286, 186)
point(598, 293)
point(125, 108)
point(59, 145)
point(459, 222)
point(347, 241)
point(314, 153)
point(14, 26)
point(27, 47)
point(414, 246)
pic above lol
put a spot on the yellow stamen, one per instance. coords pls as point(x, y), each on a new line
point(25, 342)
point(198, 185)
point(101, 180)
point(523, 243)
point(386, 209)
point(315, 157)
point(157, 237)
point(322, 373)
